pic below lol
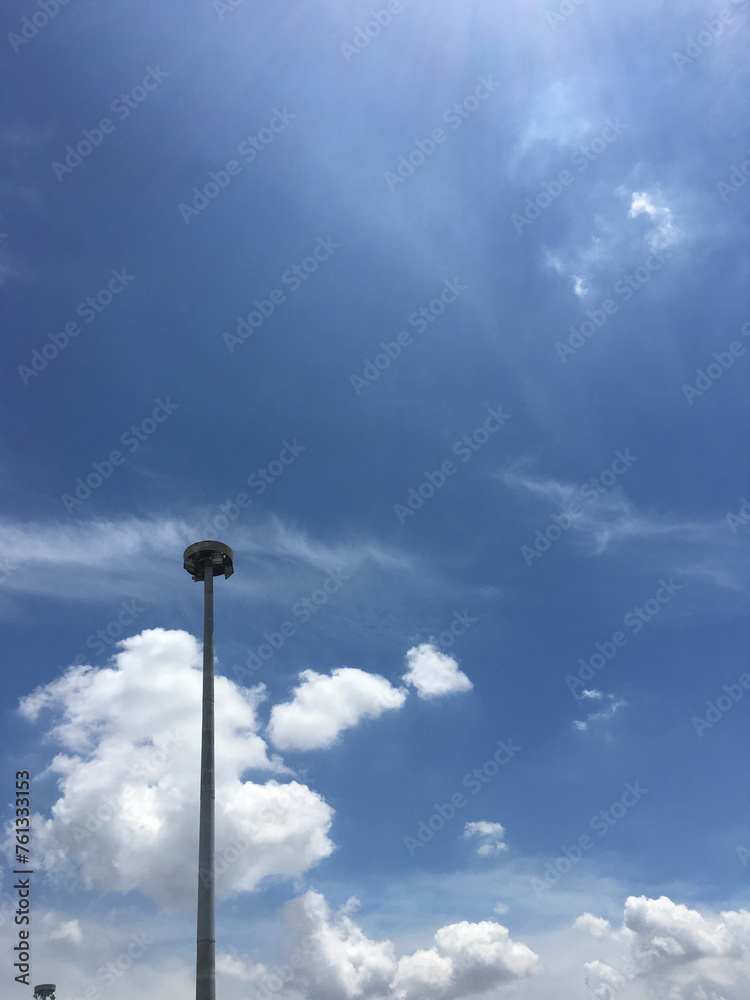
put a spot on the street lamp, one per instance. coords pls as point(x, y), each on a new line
point(204, 561)
point(45, 992)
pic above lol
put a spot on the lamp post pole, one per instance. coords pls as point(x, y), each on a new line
point(203, 561)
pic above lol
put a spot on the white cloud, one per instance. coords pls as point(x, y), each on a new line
point(611, 518)
point(341, 963)
point(674, 951)
point(230, 965)
point(68, 930)
point(125, 953)
point(664, 233)
point(612, 524)
point(100, 559)
point(610, 244)
point(484, 956)
point(127, 816)
point(597, 926)
point(593, 694)
point(602, 980)
point(491, 837)
point(323, 706)
point(665, 542)
point(667, 933)
point(433, 673)
point(601, 716)
point(425, 974)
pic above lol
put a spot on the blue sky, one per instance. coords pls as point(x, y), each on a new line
point(438, 315)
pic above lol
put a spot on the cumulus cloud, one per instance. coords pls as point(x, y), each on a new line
point(602, 981)
point(338, 961)
point(597, 926)
point(491, 837)
point(482, 956)
point(433, 673)
point(674, 951)
point(322, 707)
point(668, 934)
point(425, 974)
point(127, 816)
point(341, 963)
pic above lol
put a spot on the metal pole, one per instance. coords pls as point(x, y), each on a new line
point(203, 561)
point(205, 968)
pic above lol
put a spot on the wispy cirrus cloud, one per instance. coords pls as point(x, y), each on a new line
point(100, 558)
point(609, 523)
point(610, 517)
